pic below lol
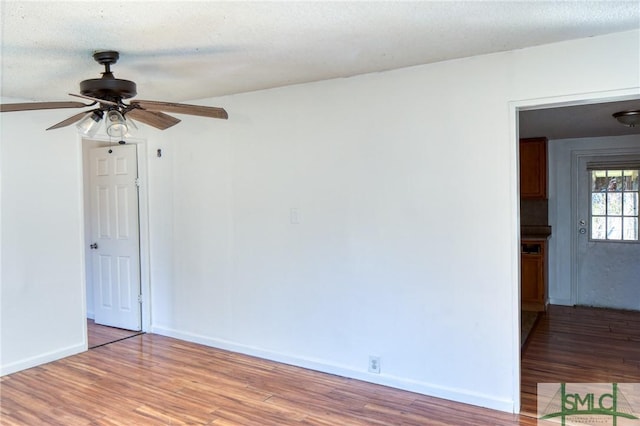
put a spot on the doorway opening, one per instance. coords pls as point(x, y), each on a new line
point(575, 118)
point(116, 242)
point(101, 335)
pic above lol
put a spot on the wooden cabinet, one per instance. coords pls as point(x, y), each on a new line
point(533, 195)
point(533, 168)
point(533, 271)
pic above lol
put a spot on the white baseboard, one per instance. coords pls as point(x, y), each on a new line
point(458, 395)
point(41, 359)
point(562, 302)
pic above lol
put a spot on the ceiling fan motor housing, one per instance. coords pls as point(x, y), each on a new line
point(108, 87)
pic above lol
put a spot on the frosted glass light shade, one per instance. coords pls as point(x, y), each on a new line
point(116, 125)
point(90, 124)
point(131, 126)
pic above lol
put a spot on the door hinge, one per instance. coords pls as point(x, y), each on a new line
point(139, 298)
point(138, 182)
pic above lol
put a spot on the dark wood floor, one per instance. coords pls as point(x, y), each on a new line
point(99, 335)
point(154, 380)
point(580, 345)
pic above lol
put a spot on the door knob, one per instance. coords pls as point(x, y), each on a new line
point(582, 230)
point(94, 246)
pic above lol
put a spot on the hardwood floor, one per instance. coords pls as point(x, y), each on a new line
point(99, 335)
point(580, 345)
point(155, 380)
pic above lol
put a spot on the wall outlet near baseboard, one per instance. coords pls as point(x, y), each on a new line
point(374, 364)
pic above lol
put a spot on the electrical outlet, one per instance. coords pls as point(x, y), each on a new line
point(374, 364)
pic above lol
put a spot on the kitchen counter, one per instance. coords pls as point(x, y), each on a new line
point(535, 232)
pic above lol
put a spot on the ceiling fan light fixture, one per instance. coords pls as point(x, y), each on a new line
point(116, 124)
point(131, 126)
point(90, 124)
point(109, 92)
point(628, 118)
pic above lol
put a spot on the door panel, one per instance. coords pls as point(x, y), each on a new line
point(608, 271)
point(114, 229)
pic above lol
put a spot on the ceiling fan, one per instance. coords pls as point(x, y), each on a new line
point(109, 92)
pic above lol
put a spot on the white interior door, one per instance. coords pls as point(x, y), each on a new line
point(608, 250)
point(115, 236)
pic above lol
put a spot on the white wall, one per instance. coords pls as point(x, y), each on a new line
point(42, 311)
point(560, 215)
point(407, 247)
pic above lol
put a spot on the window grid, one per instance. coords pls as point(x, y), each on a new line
point(614, 205)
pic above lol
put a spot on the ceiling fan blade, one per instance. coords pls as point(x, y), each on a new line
point(155, 119)
point(31, 106)
point(69, 120)
point(102, 101)
point(203, 111)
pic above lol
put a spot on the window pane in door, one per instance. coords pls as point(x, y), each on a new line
point(598, 225)
point(630, 204)
point(630, 180)
point(614, 204)
point(615, 180)
point(614, 228)
point(598, 203)
point(599, 181)
point(630, 228)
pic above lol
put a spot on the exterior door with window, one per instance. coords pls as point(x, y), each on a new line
point(607, 243)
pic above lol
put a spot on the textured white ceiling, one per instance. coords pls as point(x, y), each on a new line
point(178, 51)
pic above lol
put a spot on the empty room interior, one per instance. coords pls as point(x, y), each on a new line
point(351, 213)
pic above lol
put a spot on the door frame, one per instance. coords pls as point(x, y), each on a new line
point(514, 109)
point(143, 215)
